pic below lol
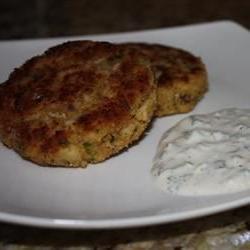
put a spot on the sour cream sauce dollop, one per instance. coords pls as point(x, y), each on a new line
point(205, 154)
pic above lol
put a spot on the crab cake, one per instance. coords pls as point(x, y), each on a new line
point(181, 77)
point(78, 103)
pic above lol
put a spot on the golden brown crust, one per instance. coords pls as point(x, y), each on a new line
point(75, 95)
point(181, 77)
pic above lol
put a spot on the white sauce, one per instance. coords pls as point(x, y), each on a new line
point(205, 154)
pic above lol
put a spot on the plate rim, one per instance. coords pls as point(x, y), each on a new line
point(116, 223)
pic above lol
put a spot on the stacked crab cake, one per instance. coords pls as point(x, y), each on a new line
point(82, 101)
point(181, 77)
point(78, 103)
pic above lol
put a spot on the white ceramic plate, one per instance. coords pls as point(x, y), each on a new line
point(119, 192)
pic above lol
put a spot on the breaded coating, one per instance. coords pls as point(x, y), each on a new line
point(181, 77)
point(80, 102)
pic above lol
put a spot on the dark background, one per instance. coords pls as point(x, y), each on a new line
point(49, 18)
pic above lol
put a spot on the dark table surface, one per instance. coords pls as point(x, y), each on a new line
point(50, 18)
point(46, 18)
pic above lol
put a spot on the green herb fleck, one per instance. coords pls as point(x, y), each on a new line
point(89, 150)
point(87, 146)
